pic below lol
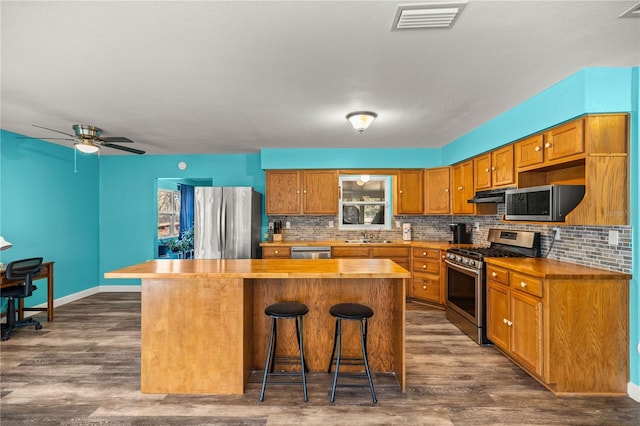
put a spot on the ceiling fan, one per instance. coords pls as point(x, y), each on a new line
point(87, 139)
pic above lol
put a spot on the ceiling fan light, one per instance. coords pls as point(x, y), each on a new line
point(87, 147)
point(361, 120)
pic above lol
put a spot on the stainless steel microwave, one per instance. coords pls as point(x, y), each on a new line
point(548, 203)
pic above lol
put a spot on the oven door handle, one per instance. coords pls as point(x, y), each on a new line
point(456, 266)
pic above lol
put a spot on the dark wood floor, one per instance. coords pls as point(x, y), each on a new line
point(83, 369)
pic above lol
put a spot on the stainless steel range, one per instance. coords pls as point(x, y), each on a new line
point(466, 281)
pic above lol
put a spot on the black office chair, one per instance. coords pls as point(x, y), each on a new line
point(23, 272)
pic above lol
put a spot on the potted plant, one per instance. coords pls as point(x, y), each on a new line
point(183, 244)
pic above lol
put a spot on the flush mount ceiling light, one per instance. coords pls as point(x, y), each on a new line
point(426, 15)
point(361, 120)
point(86, 146)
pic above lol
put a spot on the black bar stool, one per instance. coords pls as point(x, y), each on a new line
point(284, 310)
point(350, 312)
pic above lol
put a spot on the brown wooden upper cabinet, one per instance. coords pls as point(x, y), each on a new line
point(437, 186)
point(557, 145)
point(297, 192)
point(494, 169)
point(409, 193)
point(462, 188)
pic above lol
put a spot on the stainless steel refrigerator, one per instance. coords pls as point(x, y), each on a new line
point(227, 223)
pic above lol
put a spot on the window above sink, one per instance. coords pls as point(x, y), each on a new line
point(364, 202)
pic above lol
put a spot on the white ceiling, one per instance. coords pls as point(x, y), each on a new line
point(236, 76)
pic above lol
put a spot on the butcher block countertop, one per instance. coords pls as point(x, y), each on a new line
point(435, 244)
point(263, 268)
point(554, 269)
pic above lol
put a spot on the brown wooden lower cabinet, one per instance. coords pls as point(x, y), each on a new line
point(427, 283)
point(569, 332)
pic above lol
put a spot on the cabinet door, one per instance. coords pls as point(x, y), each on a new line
point(564, 141)
point(409, 193)
point(498, 315)
point(438, 195)
point(482, 169)
point(526, 331)
point(529, 151)
point(283, 192)
point(320, 192)
point(462, 183)
point(502, 172)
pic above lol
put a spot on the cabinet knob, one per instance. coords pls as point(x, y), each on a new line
point(493, 274)
point(424, 287)
point(424, 253)
point(276, 252)
point(459, 188)
point(298, 191)
point(446, 190)
point(509, 323)
point(493, 168)
point(401, 191)
point(424, 266)
point(537, 149)
point(486, 170)
point(504, 320)
point(548, 145)
point(304, 192)
point(523, 284)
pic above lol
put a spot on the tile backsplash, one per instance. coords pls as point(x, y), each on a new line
point(585, 245)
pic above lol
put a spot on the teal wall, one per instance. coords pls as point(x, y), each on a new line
point(128, 199)
point(48, 210)
point(104, 216)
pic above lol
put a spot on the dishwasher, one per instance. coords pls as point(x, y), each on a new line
point(308, 252)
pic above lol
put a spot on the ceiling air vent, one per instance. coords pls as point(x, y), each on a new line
point(426, 15)
point(632, 12)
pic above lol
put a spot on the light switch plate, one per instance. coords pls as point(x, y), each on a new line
point(288, 225)
point(613, 237)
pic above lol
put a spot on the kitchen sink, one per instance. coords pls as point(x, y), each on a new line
point(366, 241)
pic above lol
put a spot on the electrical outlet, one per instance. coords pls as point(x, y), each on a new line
point(330, 224)
point(613, 237)
point(271, 226)
point(476, 226)
point(398, 224)
point(288, 225)
point(556, 234)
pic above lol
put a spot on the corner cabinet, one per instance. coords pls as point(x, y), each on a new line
point(564, 324)
point(592, 151)
point(295, 192)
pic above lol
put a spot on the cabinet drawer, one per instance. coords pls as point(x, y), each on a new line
point(389, 252)
point(427, 266)
point(279, 252)
point(359, 252)
point(424, 253)
point(426, 287)
point(497, 274)
point(526, 283)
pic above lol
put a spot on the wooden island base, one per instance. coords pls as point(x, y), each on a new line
point(204, 329)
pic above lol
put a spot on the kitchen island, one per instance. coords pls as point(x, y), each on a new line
point(204, 329)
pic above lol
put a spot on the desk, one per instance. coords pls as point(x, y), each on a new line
point(45, 272)
point(204, 330)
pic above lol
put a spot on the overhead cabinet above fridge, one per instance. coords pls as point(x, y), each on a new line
point(227, 223)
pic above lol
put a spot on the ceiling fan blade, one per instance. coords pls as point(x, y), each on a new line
point(116, 139)
point(123, 148)
point(53, 130)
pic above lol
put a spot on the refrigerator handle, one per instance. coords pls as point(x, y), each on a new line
point(218, 237)
point(223, 226)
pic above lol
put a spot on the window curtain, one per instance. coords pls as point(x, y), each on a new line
point(186, 208)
